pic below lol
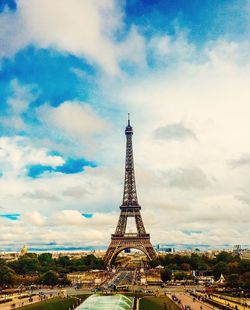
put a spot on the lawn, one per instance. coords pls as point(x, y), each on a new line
point(156, 303)
point(52, 304)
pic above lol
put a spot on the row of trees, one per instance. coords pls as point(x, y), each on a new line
point(44, 269)
point(31, 262)
point(232, 280)
point(235, 270)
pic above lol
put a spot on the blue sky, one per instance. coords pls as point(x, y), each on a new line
point(204, 20)
point(70, 71)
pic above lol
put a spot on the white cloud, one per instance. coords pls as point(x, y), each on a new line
point(40, 194)
point(168, 49)
point(75, 218)
point(186, 178)
point(22, 97)
point(83, 28)
point(244, 160)
point(19, 101)
point(73, 118)
point(16, 153)
point(133, 49)
point(175, 131)
point(68, 217)
point(77, 192)
point(33, 218)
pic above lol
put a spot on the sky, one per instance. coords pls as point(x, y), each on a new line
point(71, 70)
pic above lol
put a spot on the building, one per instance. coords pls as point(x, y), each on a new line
point(165, 248)
point(153, 276)
point(88, 278)
point(24, 250)
point(245, 254)
point(205, 279)
point(9, 256)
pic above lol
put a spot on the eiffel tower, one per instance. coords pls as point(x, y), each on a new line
point(130, 207)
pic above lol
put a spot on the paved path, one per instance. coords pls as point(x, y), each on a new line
point(232, 304)
point(19, 303)
point(187, 300)
point(27, 301)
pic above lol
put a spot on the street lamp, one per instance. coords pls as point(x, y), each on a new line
point(242, 297)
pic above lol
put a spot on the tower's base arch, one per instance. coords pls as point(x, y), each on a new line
point(120, 243)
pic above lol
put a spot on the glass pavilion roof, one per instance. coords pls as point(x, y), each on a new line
point(113, 302)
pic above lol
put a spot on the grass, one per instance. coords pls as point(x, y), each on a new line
point(52, 304)
point(156, 303)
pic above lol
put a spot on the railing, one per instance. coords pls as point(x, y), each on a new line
point(130, 235)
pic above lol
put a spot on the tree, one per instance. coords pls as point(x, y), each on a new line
point(87, 262)
point(25, 264)
point(195, 260)
point(45, 259)
point(7, 276)
point(220, 268)
point(224, 257)
point(166, 275)
point(233, 280)
point(181, 276)
point(185, 267)
point(30, 255)
point(233, 267)
point(154, 263)
point(202, 266)
point(167, 259)
point(244, 266)
point(50, 278)
point(246, 280)
point(64, 281)
point(246, 284)
point(64, 261)
point(178, 259)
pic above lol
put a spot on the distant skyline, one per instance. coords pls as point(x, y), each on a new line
point(177, 247)
point(71, 70)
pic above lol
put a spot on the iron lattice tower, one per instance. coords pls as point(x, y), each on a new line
point(130, 207)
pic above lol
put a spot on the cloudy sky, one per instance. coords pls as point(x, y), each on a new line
point(70, 70)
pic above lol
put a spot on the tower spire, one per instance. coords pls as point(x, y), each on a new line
point(129, 193)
